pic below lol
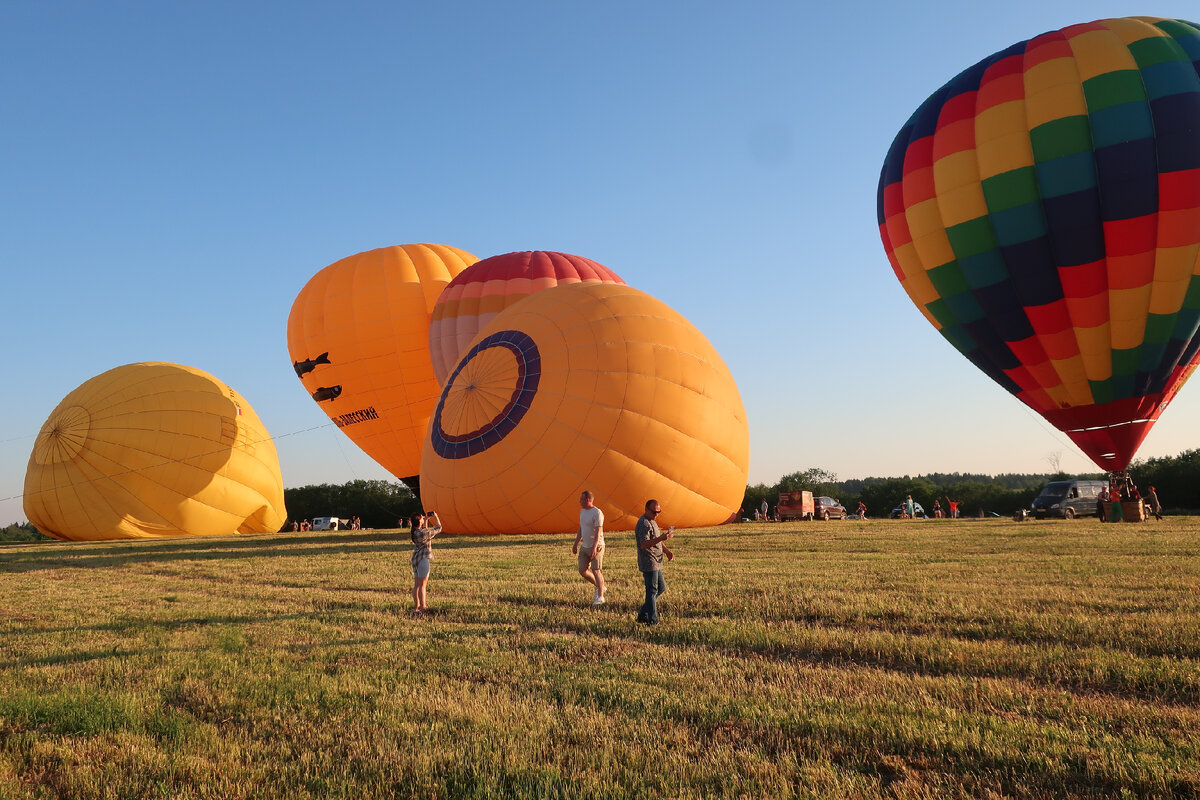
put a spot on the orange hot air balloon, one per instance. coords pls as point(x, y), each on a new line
point(152, 450)
point(586, 386)
point(358, 335)
point(484, 289)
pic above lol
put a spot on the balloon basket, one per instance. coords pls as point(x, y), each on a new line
point(1131, 511)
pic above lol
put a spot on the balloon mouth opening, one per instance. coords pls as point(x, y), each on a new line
point(63, 436)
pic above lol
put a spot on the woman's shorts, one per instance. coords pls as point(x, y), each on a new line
point(421, 568)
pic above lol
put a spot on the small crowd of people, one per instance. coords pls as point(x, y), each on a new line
point(908, 509)
point(1122, 489)
point(353, 524)
point(764, 516)
point(588, 550)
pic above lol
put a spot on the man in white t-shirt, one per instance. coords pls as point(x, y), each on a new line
point(589, 545)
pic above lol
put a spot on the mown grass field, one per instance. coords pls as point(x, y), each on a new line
point(853, 659)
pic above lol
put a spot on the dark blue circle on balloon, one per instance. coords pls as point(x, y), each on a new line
point(529, 373)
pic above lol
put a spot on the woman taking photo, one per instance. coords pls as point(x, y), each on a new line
point(422, 539)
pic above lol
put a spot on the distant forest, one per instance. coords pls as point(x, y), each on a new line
point(381, 504)
point(1176, 479)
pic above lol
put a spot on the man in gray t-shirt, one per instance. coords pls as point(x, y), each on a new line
point(650, 552)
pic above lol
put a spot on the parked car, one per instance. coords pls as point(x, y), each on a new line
point(828, 508)
point(1068, 499)
point(918, 511)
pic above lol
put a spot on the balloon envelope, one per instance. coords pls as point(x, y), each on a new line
point(358, 335)
point(586, 386)
point(1042, 209)
point(149, 450)
point(484, 289)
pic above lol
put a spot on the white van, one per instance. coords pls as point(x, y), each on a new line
point(330, 524)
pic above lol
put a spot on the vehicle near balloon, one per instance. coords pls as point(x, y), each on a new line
point(1042, 210)
point(796, 505)
point(1068, 499)
point(330, 524)
point(827, 508)
point(153, 450)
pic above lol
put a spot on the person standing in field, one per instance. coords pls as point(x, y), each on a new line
point(422, 539)
point(953, 504)
point(589, 545)
point(909, 508)
point(1152, 500)
point(650, 552)
point(764, 510)
point(862, 510)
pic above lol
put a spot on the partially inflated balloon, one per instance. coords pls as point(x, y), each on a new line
point(484, 289)
point(586, 386)
point(149, 450)
point(1042, 210)
point(358, 335)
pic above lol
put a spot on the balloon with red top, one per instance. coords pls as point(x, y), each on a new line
point(487, 287)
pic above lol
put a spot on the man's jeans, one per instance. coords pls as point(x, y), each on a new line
point(655, 585)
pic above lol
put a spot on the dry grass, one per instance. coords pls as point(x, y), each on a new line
point(877, 659)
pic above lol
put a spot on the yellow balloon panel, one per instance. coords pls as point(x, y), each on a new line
point(149, 450)
point(586, 386)
point(358, 335)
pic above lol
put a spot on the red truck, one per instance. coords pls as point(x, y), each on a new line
point(796, 505)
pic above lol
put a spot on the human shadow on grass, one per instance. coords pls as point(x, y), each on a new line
point(167, 625)
point(617, 622)
point(92, 555)
point(127, 624)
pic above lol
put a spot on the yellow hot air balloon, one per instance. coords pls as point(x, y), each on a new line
point(358, 334)
point(586, 386)
point(149, 450)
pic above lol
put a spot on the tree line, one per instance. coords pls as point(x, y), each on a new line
point(1175, 478)
point(381, 504)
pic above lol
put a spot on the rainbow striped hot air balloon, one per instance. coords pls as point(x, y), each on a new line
point(1042, 209)
point(487, 287)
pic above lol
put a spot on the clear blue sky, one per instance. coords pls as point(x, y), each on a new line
point(175, 172)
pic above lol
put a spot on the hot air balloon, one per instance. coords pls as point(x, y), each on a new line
point(585, 386)
point(1042, 209)
point(486, 288)
point(358, 335)
point(151, 450)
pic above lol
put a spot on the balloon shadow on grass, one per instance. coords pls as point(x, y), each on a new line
point(92, 555)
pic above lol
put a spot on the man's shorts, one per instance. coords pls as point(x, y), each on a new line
point(594, 563)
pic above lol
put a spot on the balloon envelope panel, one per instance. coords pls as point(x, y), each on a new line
point(150, 450)
point(358, 334)
point(1042, 209)
point(586, 386)
point(489, 286)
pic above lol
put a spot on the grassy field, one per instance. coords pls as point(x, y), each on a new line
point(879, 659)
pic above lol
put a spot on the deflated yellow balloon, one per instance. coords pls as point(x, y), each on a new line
point(153, 449)
point(595, 387)
point(358, 334)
